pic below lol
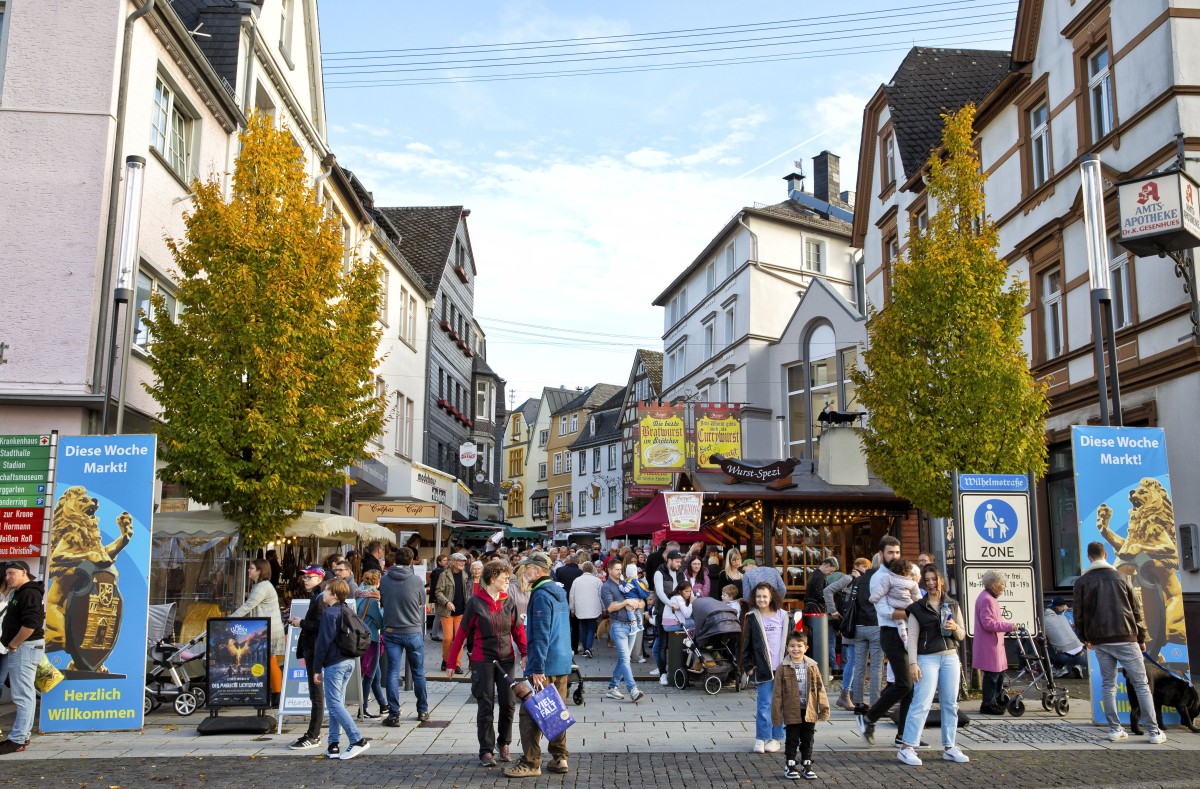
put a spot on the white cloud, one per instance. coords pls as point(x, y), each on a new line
point(649, 157)
point(374, 131)
point(418, 147)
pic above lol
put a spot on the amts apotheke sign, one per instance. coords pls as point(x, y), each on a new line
point(1159, 214)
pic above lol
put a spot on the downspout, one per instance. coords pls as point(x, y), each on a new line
point(328, 162)
point(251, 39)
point(753, 237)
point(114, 187)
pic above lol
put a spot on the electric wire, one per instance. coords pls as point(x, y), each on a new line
point(575, 331)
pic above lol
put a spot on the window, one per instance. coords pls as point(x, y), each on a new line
point(541, 472)
point(574, 423)
point(675, 364)
point(709, 333)
point(147, 286)
point(383, 294)
point(920, 219)
point(582, 503)
point(2, 2)
point(405, 413)
point(710, 277)
point(813, 255)
point(1052, 313)
point(642, 390)
point(539, 508)
point(723, 390)
point(612, 499)
point(287, 19)
point(889, 160)
point(730, 325)
point(596, 459)
point(557, 462)
point(612, 457)
point(516, 502)
point(1100, 99)
point(484, 402)
point(596, 502)
point(516, 427)
point(820, 379)
point(412, 319)
point(582, 462)
point(891, 251)
point(558, 508)
point(403, 329)
point(1039, 144)
point(1122, 297)
point(172, 129)
point(441, 384)
point(562, 426)
point(1064, 522)
point(543, 438)
point(516, 463)
point(730, 261)
point(567, 461)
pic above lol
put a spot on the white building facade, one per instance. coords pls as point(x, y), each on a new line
point(596, 483)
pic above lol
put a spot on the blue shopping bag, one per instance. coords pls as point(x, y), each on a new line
point(549, 712)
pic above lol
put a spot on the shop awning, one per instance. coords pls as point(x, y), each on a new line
point(808, 487)
point(642, 523)
point(513, 533)
point(321, 525)
point(541, 493)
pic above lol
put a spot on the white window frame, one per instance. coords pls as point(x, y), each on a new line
point(710, 277)
point(814, 254)
point(889, 160)
point(723, 390)
point(574, 423)
point(1052, 314)
point(557, 462)
point(155, 284)
point(3, 38)
point(1039, 144)
point(287, 13)
point(710, 332)
point(384, 282)
point(412, 319)
point(612, 457)
point(612, 499)
point(596, 505)
point(583, 461)
point(543, 438)
point(567, 462)
point(173, 128)
point(730, 260)
point(403, 328)
point(1119, 275)
point(1100, 98)
point(582, 503)
point(730, 324)
point(541, 472)
point(562, 425)
point(558, 498)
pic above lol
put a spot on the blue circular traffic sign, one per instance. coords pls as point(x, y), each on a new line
point(996, 521)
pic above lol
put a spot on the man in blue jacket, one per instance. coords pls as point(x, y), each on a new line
point(548, 632)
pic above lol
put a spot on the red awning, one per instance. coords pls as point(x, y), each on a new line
point(650, 520)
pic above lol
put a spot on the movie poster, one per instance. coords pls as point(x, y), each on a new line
point(1123, 490)
point(237, 655)
point(96, 586)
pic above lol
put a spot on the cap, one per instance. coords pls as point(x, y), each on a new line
point(17, 565)
point(750, 560)
point(458, 557)
point(312, 569)
point(674, 555)
point(1056, 602)
point(536, 559)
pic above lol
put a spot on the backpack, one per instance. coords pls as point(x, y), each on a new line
point(353, 638)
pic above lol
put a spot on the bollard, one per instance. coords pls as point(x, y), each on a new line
point(818, 625)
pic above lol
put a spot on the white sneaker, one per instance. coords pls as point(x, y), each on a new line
point(1118, 734)
point(654, 672)
point(953, 754)
point(663, 680)
point(909, 756)
point(760, 746)
point(772, 746)
point(1158, 738)
point(641, 660)
point(1061, 672)
point(356, 749)
point(613, 693)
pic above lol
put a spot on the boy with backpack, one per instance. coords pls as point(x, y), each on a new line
point(341, 640)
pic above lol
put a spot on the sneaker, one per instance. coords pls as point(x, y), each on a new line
point(1116, 735)
point(1077, 671)
point(366, 713)
point(662, 680)
point(422, 716)
point(587, 653)
point(636, 696)
point(356, 748)
point(653, 672)
point(558, 765)
point(392, 721)
point(613, 693)
point(8, 746)
point(953, 754)
point(503, 755)
point(806, 771)
point(909, 756)
point(334, 751)
point(443, 665)
point(487, 760)
point(772, 746)
point(304, 743)
point(791, 772)
point(523, 769)
point(641, 660)
point(1061, 672)
point(760, 746)
point(1158, 738)
point(864, 725)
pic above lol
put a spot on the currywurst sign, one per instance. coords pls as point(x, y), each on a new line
point(1160, 213)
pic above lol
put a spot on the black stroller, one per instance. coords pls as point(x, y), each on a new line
point(1037, 675)
point(167, 679)
point(710, 653)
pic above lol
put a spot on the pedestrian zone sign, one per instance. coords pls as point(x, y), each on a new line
point(995, 528)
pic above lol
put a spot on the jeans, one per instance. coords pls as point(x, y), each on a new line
point(587, 633)
point(487, 685)
point(412, 645)
point(939, 673)
point(1062, 659)
point(866, 641)
point(335, 678)
point(901, 690)
point(316, 700)
point(531, 735)
point(763, 729)
point(660, 650)
point(848, 667)
point(623, 639)
point(1130, 658)
point(22, 670)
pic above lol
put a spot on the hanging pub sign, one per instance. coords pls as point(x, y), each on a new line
point(776, 476)
point(684, 510)
point(662, 438)
point(236, 657)
point(1160, 213)
point(718, 432)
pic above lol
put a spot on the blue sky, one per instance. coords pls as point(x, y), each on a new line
point(589, 193)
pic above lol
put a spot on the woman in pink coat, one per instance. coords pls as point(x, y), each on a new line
point(988, 653)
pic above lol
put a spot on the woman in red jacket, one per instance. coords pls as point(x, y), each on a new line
point(490, 626)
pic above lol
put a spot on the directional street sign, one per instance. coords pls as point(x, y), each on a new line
point(26, 486)
point(1018, 603)
point(996, 528)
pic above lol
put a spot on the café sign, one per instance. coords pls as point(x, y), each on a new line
point(1159, 213)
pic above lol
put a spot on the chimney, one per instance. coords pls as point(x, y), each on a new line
point(827, 176)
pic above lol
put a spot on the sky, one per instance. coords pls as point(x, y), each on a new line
point(589, 193)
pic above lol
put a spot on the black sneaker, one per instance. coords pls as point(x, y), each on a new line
point(334, 751)
point(304, 743)
point(8, 746)
point(366, 713)
point(392, 721)
point(806, 772)
point(867, 729)
point(422, 716)
point(791, 772)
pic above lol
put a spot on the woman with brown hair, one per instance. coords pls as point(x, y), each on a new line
point(763, 636)
point(262, 601)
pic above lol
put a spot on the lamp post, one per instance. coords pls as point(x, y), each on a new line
point(1098, 275)
point(127, 255)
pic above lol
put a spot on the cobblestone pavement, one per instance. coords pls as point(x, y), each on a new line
point(1139, 769)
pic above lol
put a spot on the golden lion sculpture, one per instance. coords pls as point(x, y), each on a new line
point(74, 539)
point(1152, 535)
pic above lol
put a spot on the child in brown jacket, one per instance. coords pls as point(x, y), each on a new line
point(799, 702)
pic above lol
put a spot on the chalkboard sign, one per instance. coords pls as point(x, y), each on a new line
point(237, 658)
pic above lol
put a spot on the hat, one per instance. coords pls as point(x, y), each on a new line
point(750, 560)
point(1056, 602)
point(536, 559)
point(674, 555)
point(458, 557)
point(18, 565)
point(312, 569)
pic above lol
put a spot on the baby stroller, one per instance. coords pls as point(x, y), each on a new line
point(167, 679)
point(710, 652)
point(1036, 668)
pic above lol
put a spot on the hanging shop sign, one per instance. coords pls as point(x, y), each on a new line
point(718, 433)
point(1159, 214)
point(97, 596)
point(776, 476)
point(662, 438)
point(1123, 490)
point(236, 657)
point(468, 453)
point(684, 510)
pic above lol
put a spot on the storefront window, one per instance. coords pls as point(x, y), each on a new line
point(1061, 515)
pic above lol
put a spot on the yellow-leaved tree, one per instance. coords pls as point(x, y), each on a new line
point(265, 381)
point(944, 379)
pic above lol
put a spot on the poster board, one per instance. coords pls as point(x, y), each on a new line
point(236, 660)
point(293, 697)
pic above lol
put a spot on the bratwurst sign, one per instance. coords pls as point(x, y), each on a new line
point(1160, 213)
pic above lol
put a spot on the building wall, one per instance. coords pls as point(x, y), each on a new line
point(604, 479)
point(560, 484)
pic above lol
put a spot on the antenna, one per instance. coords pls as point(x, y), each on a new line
point(197, 32)
point(799, 165)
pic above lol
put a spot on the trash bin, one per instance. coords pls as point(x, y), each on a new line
point(675, 654)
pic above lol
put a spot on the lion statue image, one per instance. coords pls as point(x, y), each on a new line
point(74, 539)
point(1149, 549)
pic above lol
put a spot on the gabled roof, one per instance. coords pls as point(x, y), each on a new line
point(554, 399)
point(931, 82)
point(479, 366)
point(590, 398)
point(608, 429)
point(653, 362)
point(426, 238)
point(529, 410)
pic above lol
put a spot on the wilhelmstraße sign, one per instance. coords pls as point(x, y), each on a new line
point(1159, 213)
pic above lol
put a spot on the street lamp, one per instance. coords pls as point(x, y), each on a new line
point(127, 255)
point(1098, 276)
